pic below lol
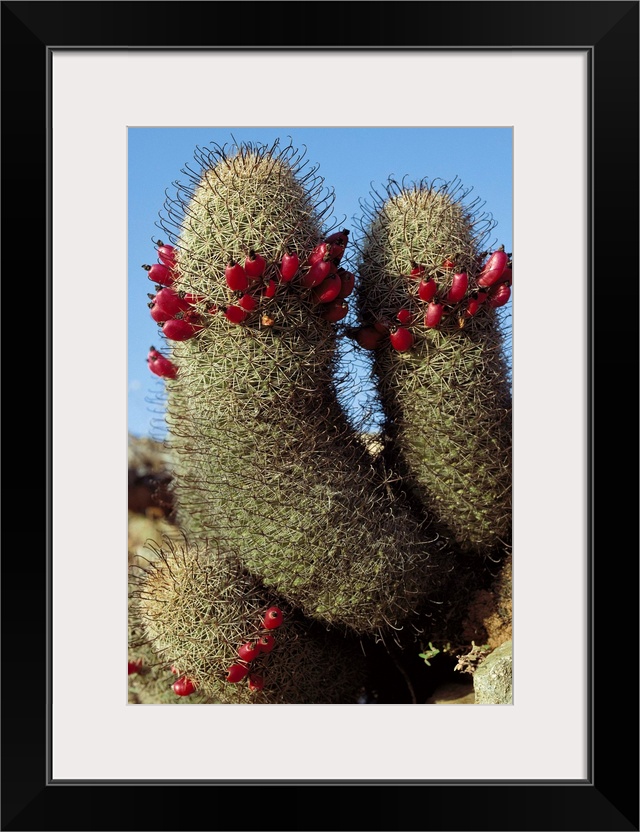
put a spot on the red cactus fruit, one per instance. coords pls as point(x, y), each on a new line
point(459, 284)
point(473, 304)
point(368, 337)
point(404, 316)
point(162, 367)
point(235, 276)
point(183, 686)
point(401, 339)
point(167, 254)
point(494, 268)
point(317, 273)
point(272, 618)
point(434, 313)
point(168, 299)
point(270, 289)
point(417, 270)
point(427, 289)
point(256, 682)
point(134, 667)
point(348, 281)
point(235, 314)
point(475, 301)
point(247, 302)
point(254, 265)
point(159, 273)
point(191, 299)
point(339, 237)
point(159, 315)
point(236, 673)
point(249, 651)
point(321, 252)
point(180, 329)
point(336, 251)
point(499, 295)
point(266, 643)
point(335, 311)
point(328, 290)
point(289, 266)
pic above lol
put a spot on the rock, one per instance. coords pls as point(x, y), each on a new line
point(492, 680)
point(489, 615)
point(150, 495)
point(149, 478)
point(146, 456)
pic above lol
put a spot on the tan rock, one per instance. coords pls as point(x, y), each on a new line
point(492, 681)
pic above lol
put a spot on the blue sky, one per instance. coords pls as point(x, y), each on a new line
point(351, 161)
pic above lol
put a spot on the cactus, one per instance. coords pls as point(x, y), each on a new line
point(195, 606)
point(265, 460)
point(279, 500)
point(446, 400)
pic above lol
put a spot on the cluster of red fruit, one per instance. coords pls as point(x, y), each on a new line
point(493, 287)
point(160, 365)
point(247, 652)
point(174, 311)
point(250, 650)
point(250, 284)
point(321, 272)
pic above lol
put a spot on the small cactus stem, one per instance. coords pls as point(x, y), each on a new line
point(456, 379)
point(193, 604)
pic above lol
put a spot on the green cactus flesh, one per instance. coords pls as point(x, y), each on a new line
point(265, 460)
point(196, 606)
point(447, 399)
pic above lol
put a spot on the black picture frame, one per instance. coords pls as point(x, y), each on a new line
point(608, 798)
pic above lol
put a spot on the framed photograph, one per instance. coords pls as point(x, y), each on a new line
point(562, 78)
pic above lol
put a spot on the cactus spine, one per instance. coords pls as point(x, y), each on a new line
point(447, 401)
point(265, 460)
